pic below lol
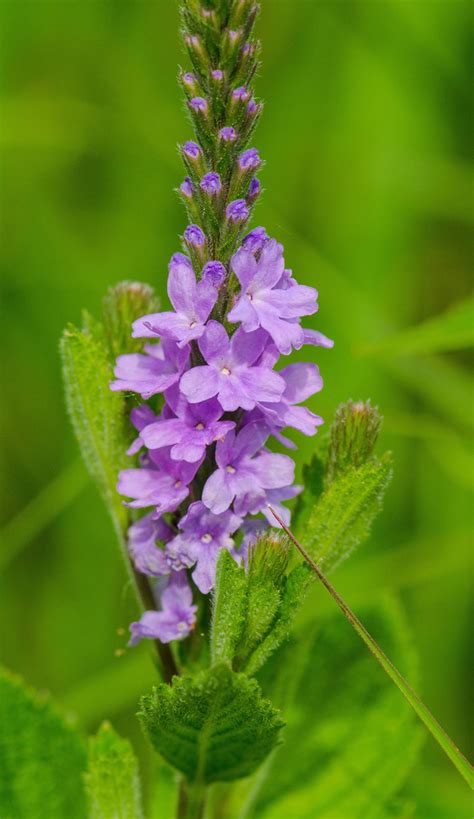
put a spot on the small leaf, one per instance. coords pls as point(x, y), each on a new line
point(42, 758)
point(344, 514)
point(97, 414)
point(212, 727)
point(112, 779)
point(254, 608)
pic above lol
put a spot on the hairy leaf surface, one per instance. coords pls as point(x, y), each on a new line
point(112, 779)
point(212, 727)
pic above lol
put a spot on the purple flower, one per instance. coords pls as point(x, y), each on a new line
point(253, 107)
point(193, 302)
point(140, 418)
point(199, 104)
point(191, 150)
point(233, 35)
point(302, 381)
point(194, 236)
point(147, 557)
point(255, 240)
point(263, 304)
point(187, 187)
point(317, 339)
point(240, 93)
point(228, 134)
point(176, 618)
point(274, 498)
point(163, 484)
point(211, 183)
point(195, 427)
point(254, 189)
point(237, 211)
point(249, 160)
point(214, 273)
point(230, 373)
point(217, 75)
point(154, 372)
point(202, 536)
point(242, 477)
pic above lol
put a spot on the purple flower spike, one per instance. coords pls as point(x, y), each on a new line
point(142, 536)
point(187, 188)
point(263, 304)
point(202, 536)
point(228, 134)
point(192, 301)
point(249, 160)
point(243, 475)
point(149, 374)
point(191, 150)
point(240, 93)
point(195, 427)
point(199, 104)
point(237, 211)
point(230, 372)
point(177, 616)
point(214, 273)
point(255, 240)
point(211, 184)
point(194, 236)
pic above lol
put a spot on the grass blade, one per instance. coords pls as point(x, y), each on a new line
point(444, 741)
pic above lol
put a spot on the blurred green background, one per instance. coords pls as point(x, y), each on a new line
point(366, 138)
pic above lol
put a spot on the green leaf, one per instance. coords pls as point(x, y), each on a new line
point(42, 758)
point(350, 740)
point(112, 779)
point(313, 482)
point(253, 609)
point(452, 330)
point(212, 727)
point(343, 516)
point(97, 414)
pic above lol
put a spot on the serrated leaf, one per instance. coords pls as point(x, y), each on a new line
point(350, 741)
point(98, 415)
point(42, 758)
point(344, 514)
point(254, 608)
point(112, 778)
point(212, 727)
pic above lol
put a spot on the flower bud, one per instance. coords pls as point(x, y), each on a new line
point(190, 83)
point(353, 436)
point(217, 75)
point(194, 237)
point(211, 184)
point(191, 150)
point(240, 93)
point(179, 259)
point(214, 273)
point(255, 240)
point(199, 105)
point(187, 188)
point(249, 160)
point(237, 212)
point(254, 190)
point(228, 134)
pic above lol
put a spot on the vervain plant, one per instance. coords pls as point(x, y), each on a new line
point(181, 408)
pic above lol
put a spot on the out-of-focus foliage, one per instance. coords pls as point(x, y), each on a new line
point(366, 137)
point(112, 780)
point(43, 758)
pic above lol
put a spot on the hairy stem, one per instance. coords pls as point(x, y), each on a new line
point(191, 801)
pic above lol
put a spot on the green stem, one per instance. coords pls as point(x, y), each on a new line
point(444, 741)
point(191, 800)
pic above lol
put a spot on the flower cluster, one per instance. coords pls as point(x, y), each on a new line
point(206, 472)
